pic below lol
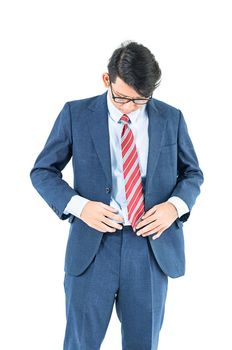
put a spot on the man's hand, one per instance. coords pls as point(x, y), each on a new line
point(100, 216)
point(157, 219)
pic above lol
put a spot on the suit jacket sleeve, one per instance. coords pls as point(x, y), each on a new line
point(190, 176)
point(46, 174)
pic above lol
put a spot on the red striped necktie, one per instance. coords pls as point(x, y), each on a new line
point(132, 174)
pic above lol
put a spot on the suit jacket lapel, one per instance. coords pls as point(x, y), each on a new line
point(98, 126)
point(156, 128)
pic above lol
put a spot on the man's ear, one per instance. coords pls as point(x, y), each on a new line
point(106, 79)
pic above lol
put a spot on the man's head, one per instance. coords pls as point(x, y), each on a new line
point(132, 72)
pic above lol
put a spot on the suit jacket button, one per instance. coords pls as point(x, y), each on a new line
point(108, 189)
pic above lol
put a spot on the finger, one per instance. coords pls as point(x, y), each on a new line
point(149, 212)
point(97, 227)
point(105, 228)
point(142, 223)
point(158, 234)
point(108, 207)
point(152, 231)
point(145, 229)
point(152, 226)
point(112, 223)
point(113, 216)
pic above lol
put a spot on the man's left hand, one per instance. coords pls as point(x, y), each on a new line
point(157, 220)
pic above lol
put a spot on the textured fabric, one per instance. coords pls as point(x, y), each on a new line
point(132, 174)
point(124, 273)
point(81, 132)
point(139, 126)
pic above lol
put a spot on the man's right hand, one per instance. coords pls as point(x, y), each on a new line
point(100, 216)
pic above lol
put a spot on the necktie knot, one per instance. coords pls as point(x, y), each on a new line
point(125, 119)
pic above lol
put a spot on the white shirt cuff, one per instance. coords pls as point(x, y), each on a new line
point(180, 205)
point(75, 206)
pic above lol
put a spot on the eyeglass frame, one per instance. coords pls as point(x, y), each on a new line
point(128, 99)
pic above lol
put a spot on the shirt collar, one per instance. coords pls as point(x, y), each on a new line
point(115, 114)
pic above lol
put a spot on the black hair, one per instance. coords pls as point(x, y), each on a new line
point(136, 66)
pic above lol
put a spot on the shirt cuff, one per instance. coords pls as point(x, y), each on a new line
point(180, 205)
point(75, 206)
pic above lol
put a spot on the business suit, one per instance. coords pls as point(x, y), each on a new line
point(81, 132)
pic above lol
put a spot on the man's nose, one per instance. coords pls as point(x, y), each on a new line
point(129, 107)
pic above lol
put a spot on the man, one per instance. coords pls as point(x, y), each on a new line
point(136, 179)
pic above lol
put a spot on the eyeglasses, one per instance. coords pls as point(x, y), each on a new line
point(123, 100)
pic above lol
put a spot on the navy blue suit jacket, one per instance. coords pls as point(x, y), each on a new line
point(81, 132)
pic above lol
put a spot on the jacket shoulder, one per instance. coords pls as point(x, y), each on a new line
point(165, 107)
point(83, 103)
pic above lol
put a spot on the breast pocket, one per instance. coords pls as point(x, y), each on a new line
point(168, 146)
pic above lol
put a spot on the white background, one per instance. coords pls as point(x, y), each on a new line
point(55, 51)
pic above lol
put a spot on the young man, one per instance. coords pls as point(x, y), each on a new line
point(136, 179)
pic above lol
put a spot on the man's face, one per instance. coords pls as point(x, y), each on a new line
point(121, 89)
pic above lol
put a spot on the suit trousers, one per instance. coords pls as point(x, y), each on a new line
point(124, 271)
